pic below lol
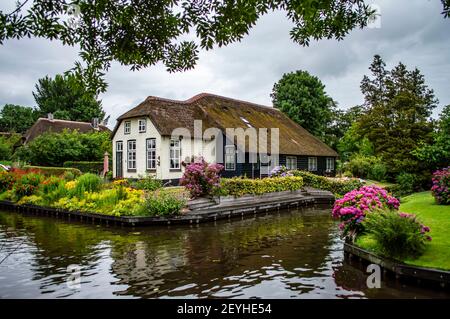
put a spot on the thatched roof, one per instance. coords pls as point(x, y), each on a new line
point(222, 112)
point(44, 125)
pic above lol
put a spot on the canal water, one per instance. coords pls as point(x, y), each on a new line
point(291, 254)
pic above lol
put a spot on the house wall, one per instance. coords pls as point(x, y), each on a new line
point(302, 164)
point(252, 170)
point(189, 147)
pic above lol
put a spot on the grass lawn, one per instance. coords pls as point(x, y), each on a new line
point(437, 217)
point(8, 163)
point(377, 183)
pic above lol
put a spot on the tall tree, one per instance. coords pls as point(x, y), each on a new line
point(16, 118)
point(142, 33)
point(67, 98)
point(398, 106)
point(437, 153)
point(302, 98)
point(341, 123)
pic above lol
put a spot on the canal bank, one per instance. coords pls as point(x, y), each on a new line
point(198, 211)
point(417, 275)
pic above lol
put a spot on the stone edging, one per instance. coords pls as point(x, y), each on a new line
point(401, 270)
point(210, 214)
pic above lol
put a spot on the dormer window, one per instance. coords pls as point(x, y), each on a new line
point(127, 127)
point(142, 125)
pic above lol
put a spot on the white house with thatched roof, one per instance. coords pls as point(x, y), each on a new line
point(144, 141)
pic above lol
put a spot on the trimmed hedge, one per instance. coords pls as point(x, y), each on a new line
point(237, 186)
point(337, 187)
point(85, 166)
point(53, 171)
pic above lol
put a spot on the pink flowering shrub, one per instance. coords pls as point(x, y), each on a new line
point(201, 178)
point(441, 186)
point(353, 207)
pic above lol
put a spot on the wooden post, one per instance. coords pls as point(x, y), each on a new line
point(105, 163)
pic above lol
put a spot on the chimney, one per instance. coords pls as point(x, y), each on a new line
point(95, 122)
point(50, 116)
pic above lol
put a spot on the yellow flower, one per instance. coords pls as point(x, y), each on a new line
point(120, 182)
point(70, 185)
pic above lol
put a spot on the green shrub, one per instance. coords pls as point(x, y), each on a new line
point(367, 167)
point(69, 176)
point(162, 204)
point(7, 181)
point(7, 145)
point(50, 184)
point(237, 186)
point(339, 187)
point(53, 196)
point(53, 149)
point(87, 183)
point(109, 176)
point(347, 174)
point(377, 172)
point(27, 184)
point(406, 183)
point(95, 167)
point(53, 171)
point(149, 183)
point(5, 149)
point(398, 235)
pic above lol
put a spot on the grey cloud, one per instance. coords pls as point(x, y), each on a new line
point(412, 31)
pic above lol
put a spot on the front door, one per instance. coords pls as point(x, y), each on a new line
point(119, 159)
point(264, 165)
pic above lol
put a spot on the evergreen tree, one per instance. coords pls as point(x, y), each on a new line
point(398, 106)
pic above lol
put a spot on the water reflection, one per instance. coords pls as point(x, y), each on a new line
point(296, 254)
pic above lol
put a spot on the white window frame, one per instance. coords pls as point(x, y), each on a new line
point(142, 125)
point(291, 160)
point(150, 153)
point(119, 149)
point(312, 164)
point(173, 148)
point(131, 155)
point(230, 158)
point(127, 127)
point(330, 164)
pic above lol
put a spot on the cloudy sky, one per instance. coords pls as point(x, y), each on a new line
point(411, 31)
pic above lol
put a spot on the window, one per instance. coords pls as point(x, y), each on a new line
point(330, 164)
point(175, 154)
point(312, 164)
point(132, 154)
point(127, 127)
point(230, 158)
point(119, 146)
point(142, 124)
point(291, 162)
point(151, 153)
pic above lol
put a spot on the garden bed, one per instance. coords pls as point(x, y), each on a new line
point(437, 217)
point(230, 208)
